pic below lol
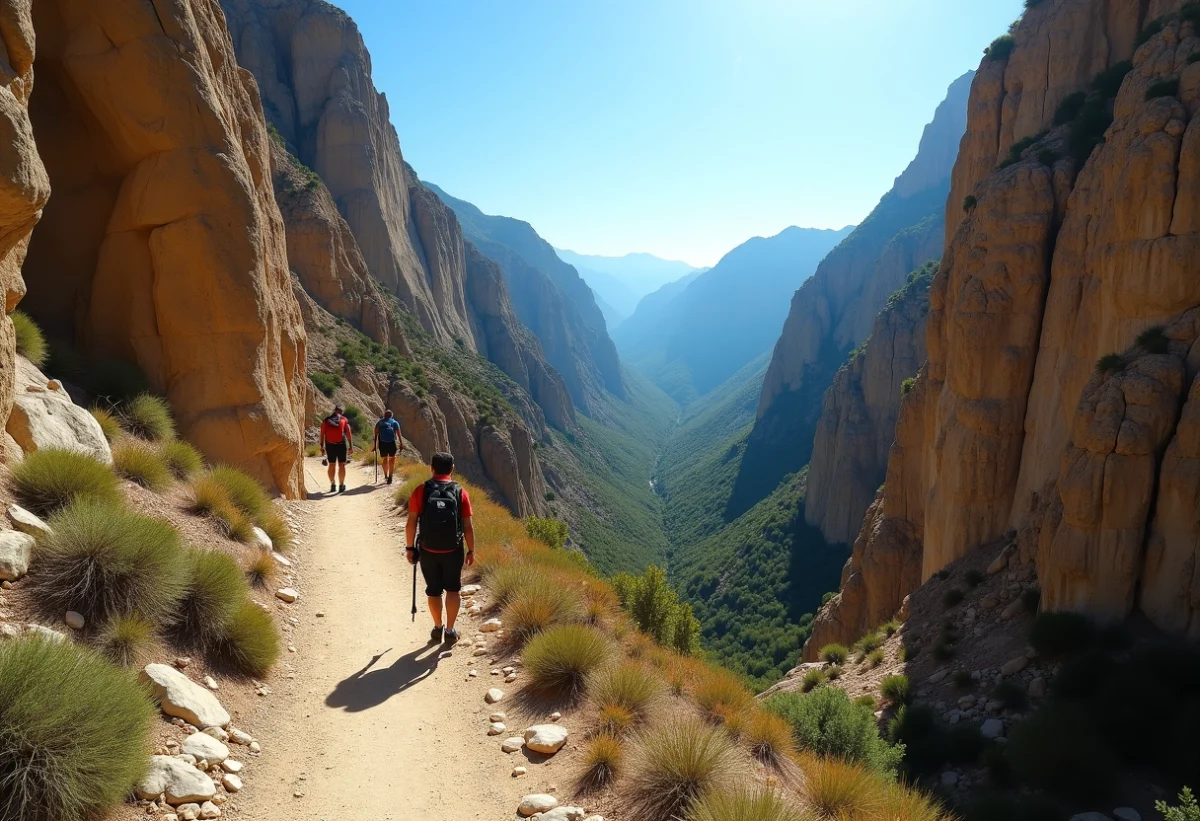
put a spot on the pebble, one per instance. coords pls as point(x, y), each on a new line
point(470, 589)
point(496, 717)
point(555, 716)
point(74, 620)
point(480, 651)
point(472, 674)
point(491, 626)
point(938, 677)
point(518, 772)
point(320, 614)
point(211, 683)
point(6, 585)
point(1014, 666)
point(239, 736)
point(231, 783)
point(231, 766)
point(536, 802)
point(511, 745)
point(510, 678)
point(949, 778)
point(508, 670)
point(496, 728)
point(546, 738)
point(493, 695)
point(286, 594)
point(992, 728)
point(254, 747)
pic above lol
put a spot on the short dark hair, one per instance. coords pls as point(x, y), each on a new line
point(442, 463)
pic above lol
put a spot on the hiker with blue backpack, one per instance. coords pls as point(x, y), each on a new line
point(438, 526)
point(387, 444)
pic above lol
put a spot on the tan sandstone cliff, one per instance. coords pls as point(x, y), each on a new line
point(1014, 423)
point(162, 244)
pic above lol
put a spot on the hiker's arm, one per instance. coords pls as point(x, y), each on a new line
point(410, 531)
point(469, 535)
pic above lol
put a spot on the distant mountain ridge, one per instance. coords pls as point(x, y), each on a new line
point(622, 282)
point(690, 343)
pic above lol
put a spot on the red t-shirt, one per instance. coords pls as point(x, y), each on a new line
point(416, 502)
point(334, 432)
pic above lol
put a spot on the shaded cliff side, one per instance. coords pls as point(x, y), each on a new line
point(832, 313)
point(162, 244)
point(1056, 402)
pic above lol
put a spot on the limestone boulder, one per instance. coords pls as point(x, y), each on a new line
point(181, 697)
point(42, 418)
point(179, 781)
point(26, 522)
point(546, 738)
point(204, 746)
point(15, 551)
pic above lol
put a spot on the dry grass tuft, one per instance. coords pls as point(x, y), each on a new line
point(260, 568)
point(560, 660)
point(770, 738)
point(602, 763)
point(673, 765)
point(720, 693)
point(837, 790)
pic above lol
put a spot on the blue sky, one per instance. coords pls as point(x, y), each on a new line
point(676, 127)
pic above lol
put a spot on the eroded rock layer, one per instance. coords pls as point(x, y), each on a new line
point(163, 245)
point(1057, 403)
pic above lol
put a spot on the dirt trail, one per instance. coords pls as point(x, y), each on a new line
point(377, 724)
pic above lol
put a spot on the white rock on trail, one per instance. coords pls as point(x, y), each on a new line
point(469, 589)
point(15, 551)
point(511, 745)
point(260, 539)
point(281, 559)
point(536, 802)
point(209, 810)
point(219, 733)
point(74, 620)
point(286, 594)
point(211, 683)
point(204, 746)
point(231, 766)
point(240, 736)
point(563, 814)
point(179, 781)
point(491, 626)
point(546, 738)
point(480, 651)
point(555, 716)
point(231, 783)
point(493, 695)
point(518, 772)
point(183, 698)
point(497, 717)
point(510, 678)
point(496, 728)
point(27, 522)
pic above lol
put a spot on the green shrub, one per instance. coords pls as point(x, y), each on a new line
point(969, 204)
point(183, 460)
point(115, 380)
point(1069, 108)
point(834, 672)
point(916, 728)
point(1190, 13)
point(126, 640)
point(49, 479)
point(549, 496)
point(1148, 32)
point(559, 660)
point(866, 700)
point(952, 597)
point(1163, 88)
point(657, 609)
point(1000, 48)
point(216, 589)
point(1011, 694)
point(875, 658)
point(148, 417)
point(245, 493)
point(74, 732)
point(871, 641)
point(942, 574)
point(1110, 363)
point(250, 642)
point(30, 342)
point(895, 689)
point(1194, 57)
point(963, 680)
point(834, 653)
point(142, 464)
point(506, 582)
point(539, 606)
point(974, 578)
point(64, 362)
point(676, 763)
point(964, 743)
point(104, 561)
point(744, 805)
point(550, 532)
point(1017, 149)
point(628, 686)
point(720, 693)
point(890, 628)
point(260, 568)
point(326, 383)
point(1187, 810)
point(1058, 748)
point(1087, 130)
point(814, 678)
point(603, 761)
point(108, 423)
point(1033, 4)
point(827, 723)
point(1059, 635)
point(358, 423)
point(1154, 340)
point(211, 498)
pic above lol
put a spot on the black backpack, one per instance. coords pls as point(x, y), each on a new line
point(441, 520)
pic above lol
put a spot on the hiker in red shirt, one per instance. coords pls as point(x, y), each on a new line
point(442, 511)
point(337, 441)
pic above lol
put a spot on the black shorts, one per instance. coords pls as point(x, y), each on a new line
point(387, 448)
point(335, 453)
point(442, 571)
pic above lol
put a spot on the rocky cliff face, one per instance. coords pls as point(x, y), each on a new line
point(1057, 400)
point(858, 420)
point(163, 245)
point(24, 184)
point(834, 310)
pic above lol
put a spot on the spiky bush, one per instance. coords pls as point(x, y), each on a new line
point(969, 204)
point(105, 561)
point(602, 762)
point(974, 578)
point(277, 530)
point(895, 689)
point(769, 737)
point(743, 805)
point(1154, 340)
point(837, 789)
point(560, 660)
point(216, 588)
point(211, 497)
point(616, 720)
point(674, 764)
point(109, 425)
point(250, 641)
point(31, 344)
point(49, 479)
point(834, 653)
point(260, 568)
point(506, 582)
point(826, 723)
point(73, 732)
point(141, 464)
point(720, 693)
point(814, 678)
point(246, 493)
point(875, 658)
point(963, 679)
point(126, 640)
point(628, 686)
point(1110, 363)
point(183, 459)
point(1011, 694)
point(964, 743)
point(148, 417)
point(539, 607)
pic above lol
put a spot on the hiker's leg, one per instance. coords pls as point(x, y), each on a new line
point(452, 602)
point(341, 473)
point(332, 468)
point(435, 609)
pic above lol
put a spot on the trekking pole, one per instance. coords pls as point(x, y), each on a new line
point(377, 464)
point(414, 607)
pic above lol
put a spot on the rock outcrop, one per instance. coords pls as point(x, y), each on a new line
point(44, 417)
point(24, 184)
point(833, 312)
point(858, 421)
point(1062, 333)
point(163, 245)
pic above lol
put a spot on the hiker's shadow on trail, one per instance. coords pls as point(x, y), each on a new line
point(369, 688)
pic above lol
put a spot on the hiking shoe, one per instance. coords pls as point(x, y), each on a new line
point(435, 635)
point(333, 488)
point(389, 480)
point(451, 637)
point(341, 488)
